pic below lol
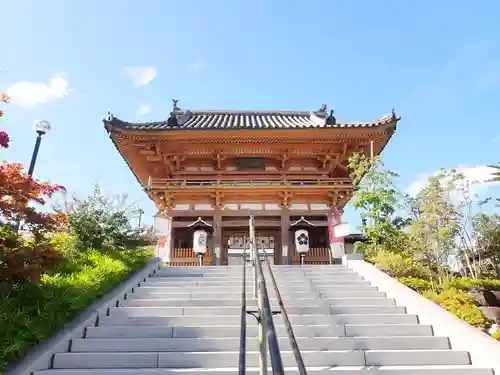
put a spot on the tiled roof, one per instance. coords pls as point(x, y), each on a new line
point(213, 119)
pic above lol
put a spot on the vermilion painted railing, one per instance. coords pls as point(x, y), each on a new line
point(163, 183)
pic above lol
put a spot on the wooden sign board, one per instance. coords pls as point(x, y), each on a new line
point(250, 164)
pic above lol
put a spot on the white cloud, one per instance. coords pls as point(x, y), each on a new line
point(479, 175)
point(143, 110)
point(28, 94)
point(196, 67)
point(140, 75)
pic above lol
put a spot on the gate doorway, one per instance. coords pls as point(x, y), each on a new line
point(235, 240)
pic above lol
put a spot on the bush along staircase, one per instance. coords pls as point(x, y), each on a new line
point(188, 321)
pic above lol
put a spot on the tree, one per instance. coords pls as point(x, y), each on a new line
point(444, 223)
point(378, 200)
point(495, 176)
point(496, 172)
point(18, 190)
point(4, 138)
point(487, 243)
point(22, 260)
point(99, 220)
point(435, 227)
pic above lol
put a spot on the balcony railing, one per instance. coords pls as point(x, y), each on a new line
point(164, 183)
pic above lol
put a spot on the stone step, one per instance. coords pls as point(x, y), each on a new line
point(230, 270)
point(219, 283)
point(239, 278)
point(385, 330)
point(344, 370)
point(367, 309)
point(250, 272)
point(289, 302)
point(148, 293)
point(237, 288)
point(135, 311)
point(230, 359)
point(229, 344)
point(312, 319)
point(219, 331)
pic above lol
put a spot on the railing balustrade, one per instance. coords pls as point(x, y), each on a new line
point(268, 338)
point(163, 183)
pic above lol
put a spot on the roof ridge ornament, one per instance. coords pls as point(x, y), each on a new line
point(175, 108)
point(331, 120)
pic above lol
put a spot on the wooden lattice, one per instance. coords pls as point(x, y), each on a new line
point(185, 257)
point(314, 256)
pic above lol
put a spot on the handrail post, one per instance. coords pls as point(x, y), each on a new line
point(259, 284)
point(243, 318)
point(291, 336)
point(253, 245)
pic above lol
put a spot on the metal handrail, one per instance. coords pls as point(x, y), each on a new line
point(266, 323)
point(289, 330)
point(243, 318)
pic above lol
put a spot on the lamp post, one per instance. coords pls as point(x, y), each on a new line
point(41, 128)
point(141, 212)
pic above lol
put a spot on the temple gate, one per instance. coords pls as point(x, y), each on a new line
point(219, 167)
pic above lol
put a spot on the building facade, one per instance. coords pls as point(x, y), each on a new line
point(208, 171)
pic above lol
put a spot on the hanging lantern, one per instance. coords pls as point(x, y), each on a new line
point(200, 238)
point(302, 241)
point(200, 241)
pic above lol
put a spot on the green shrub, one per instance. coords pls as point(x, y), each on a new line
point(467, 283)
point(64, 243)
point(24, 260)
point(496, 335)
point(459, 304)
point(418, 285)
point(31, 313)
point(399, 265)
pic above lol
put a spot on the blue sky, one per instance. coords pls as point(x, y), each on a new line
point(437, 63)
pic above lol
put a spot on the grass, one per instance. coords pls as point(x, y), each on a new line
point(30, 313)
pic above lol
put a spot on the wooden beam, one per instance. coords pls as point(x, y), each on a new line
point(246, 213)
point(244, 223)
point(217, 238)
point(286, 248)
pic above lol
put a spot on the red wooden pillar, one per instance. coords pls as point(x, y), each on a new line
point(337, 246)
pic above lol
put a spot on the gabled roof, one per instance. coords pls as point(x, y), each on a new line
point(229, 119)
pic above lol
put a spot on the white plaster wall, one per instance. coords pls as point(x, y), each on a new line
point(299, 206)
point(272, 207)
point(319, 206)
point(231, 206)
point(181, 207)
point(203, 207)
point(251, 206)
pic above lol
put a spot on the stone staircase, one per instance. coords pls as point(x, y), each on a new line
point(186, 321)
